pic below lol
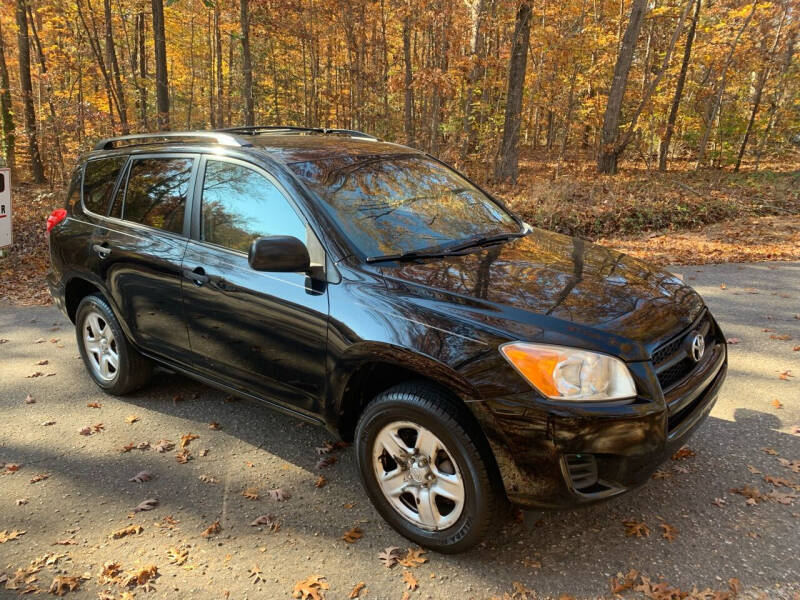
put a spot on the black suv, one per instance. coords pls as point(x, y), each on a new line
point(372, 289)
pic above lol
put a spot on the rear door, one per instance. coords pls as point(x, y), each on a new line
point(263, 333)
point(141, 250)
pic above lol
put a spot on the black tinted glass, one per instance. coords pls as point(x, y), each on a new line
point(98, 181)
point(393, 204)
point(156, 192)
point(240, 205)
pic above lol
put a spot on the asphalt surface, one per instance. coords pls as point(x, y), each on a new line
point(87, 494)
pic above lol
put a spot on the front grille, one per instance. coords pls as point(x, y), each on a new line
point(672, 361)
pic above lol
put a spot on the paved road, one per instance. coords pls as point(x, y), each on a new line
point(87, 495)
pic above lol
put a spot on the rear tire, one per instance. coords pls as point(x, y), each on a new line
point(437, 486)
point(113, 363)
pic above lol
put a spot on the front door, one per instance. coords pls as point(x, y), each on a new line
point(264, 333)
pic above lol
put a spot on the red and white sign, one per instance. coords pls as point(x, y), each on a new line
point(5, 207)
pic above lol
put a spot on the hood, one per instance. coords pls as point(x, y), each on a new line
point(566, 278)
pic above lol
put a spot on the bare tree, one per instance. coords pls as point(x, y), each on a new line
point(162, 86)
point(507, 164)
point(26, 87)
point(408, 100)
point(663, 148)
point(608, 154)
point(477, 54)
point(113, 65)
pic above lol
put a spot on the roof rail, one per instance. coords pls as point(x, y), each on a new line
point(277, 129)
point(222, 138)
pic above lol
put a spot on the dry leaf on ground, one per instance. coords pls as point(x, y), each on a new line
point(212, 529)
point(148, 504)
point(62, 584)
point(178, 556)
point(389, 556)
point(186, 439)
point(7, 536)
point(356, 591)
point(636, 528)
point(310, 588)
point(279, 494)
point(130, 530)
point(163, 446)
point(413, 558)
point(141, 477)
point(269, 521)
point(410, 580)
point(351, 536)
point(683, 454)
point(251, 493)
point(669, 532)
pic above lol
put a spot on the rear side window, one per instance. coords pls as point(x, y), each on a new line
point(156, 192)
point(99, 178)
point(240, 204)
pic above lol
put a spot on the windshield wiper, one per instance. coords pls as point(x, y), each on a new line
point(411, 255)
point(483, 240)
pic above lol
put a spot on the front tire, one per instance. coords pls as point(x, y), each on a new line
point(427, 467)
point(114, 364)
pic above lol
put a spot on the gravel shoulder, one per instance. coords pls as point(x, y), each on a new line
point(87, 494)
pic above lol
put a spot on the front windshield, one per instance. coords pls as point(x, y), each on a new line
point(391, 204)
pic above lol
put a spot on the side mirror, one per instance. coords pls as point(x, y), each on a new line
point(279, 253)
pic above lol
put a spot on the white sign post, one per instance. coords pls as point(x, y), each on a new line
point(5, 207)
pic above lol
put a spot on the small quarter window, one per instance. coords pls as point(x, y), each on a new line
point(156, 192)
point(240, 205)
point(99, 178)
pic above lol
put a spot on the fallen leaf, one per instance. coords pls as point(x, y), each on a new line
point(267, 520)
point(40, 477)
point(183, 456)
point(94, 405)
point(7, 536)
point(781, 481)
point(683, 454)
point(410, 580)
point(785, 375)
point(62, 584)
point(97, 428)
point(34, 374)
point(48, 423)
point(793, 465)
point(125, 531)
point(30, 399)
point(140, 576)
point(21, 501)
point(796, 349)
point(389, 556)
point(178, 556)
point(321, 481)
point(141, 477)
point(279, 494)
point(356, 591)
point(186, 439)
point(780, 336)
point(621, 582)
point(326, 461)
point(770, 451)
point(43, 362)
point(12, 468)
point(351, 536)
point(256, 574)
point(148, 504)
point(722, 286)
point(753, 470)
point(310, 588)
point(669, 532)
point(782, 497)
point(719, 502)
point(214, 426)
point(752, 494)
point(212, 529)
point(636, 528)
point(413, 558)
point(163, 446)
point(131, 419)
point(777, 403)
point(66, 542)
point(207, 479)
point(734, 340)
point(251, 494)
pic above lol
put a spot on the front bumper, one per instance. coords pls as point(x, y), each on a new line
point(554, 455)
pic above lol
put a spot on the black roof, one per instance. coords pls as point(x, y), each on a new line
point(292, 148)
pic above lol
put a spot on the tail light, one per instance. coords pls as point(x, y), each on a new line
point(55, 218)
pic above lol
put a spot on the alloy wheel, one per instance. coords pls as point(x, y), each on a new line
point(101, 346)
point(418, 475)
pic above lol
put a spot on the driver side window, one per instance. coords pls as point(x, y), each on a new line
point(240, 205)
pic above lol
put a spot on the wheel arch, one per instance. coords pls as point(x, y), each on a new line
point(76, 289)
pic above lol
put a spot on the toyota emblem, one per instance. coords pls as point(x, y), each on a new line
point(698, 347)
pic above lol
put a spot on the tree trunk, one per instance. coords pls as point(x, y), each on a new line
point(113, 65)
point(608, 153)
point(26, 87)
point(777, 102)
point(663, 148)
point(701, 152)
point(162, 85)
point(218, 65)
point(140, 42)
point(6, 112)
point(507, 164)
point(477, 55)
point(762, 81)
point(408, 103)
point(247, 67)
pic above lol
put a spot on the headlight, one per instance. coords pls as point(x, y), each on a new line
point(564, 373)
